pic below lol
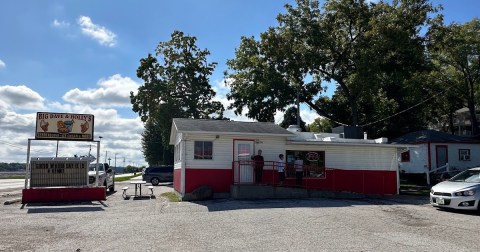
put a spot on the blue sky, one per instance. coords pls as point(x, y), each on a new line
point(82, 56)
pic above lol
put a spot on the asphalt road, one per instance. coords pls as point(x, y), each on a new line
point(400, 223)
point(11, 184)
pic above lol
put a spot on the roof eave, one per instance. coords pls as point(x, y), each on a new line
point(238, 133)
point(354, 144)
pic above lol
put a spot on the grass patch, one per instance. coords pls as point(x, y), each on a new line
point(120, 179)
point(171, 196)
point(415, 190)
point(12, 177)
point(414, 185)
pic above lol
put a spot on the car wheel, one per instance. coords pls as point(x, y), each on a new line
point(155, 181)
point(112, 188)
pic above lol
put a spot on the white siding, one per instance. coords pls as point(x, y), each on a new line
point(355, 157)
point(271, 147)
point(339, 157)
point(418, 160)
point(223, 149)
point(419, 157)
point(453, 158)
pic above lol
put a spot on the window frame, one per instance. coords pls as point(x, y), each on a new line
point(464, 152)
point(405, 156)
point(203, 155)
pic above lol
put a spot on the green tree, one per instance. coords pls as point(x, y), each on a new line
point(455, 49)
point(290, 118)
point(374, 53)
point(176, 85)
point(320, 125)
point(154, 150)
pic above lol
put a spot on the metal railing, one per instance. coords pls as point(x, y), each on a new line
point(428, 173)
point(244, 172)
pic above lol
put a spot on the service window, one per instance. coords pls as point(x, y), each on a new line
point(313, 163)
point(203, 150)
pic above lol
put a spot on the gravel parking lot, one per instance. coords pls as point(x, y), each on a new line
point(400, 223)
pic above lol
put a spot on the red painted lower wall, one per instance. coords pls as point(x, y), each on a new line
point(336, 180)
point(218, 179)
point(177, 180)
point(63, 194)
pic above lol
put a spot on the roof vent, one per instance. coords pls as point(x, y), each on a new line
point(294, 128)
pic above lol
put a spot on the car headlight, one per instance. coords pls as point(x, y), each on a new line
point(431, 191)
point(465, 193)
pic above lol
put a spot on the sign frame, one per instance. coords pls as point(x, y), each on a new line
point(64, 126)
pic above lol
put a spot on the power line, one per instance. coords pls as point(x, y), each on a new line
point(405, 110)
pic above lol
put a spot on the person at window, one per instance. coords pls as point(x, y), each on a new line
point(298, 170)
point(258, 165)
point(281, 168)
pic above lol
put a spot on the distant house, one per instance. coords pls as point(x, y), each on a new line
point(435, 149)
point(218, 153)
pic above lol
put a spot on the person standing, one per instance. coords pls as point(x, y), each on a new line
point(258, 166)
point(281, 168)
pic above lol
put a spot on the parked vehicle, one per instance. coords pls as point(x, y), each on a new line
point(158, 174)
point(460, 192)
point(106, 175)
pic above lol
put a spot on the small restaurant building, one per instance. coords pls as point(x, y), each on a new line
point(218, 154)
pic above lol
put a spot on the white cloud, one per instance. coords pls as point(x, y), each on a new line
point(308, 116)
point(97, 32)
point(220, 87)
point(113, 92)
point(119, 135)
point(21, 97)
point(60, 24)
point(2, 64)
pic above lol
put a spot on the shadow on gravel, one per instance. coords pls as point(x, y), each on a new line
point(64, 210)
point(231, 204)
point(61, 207)
point(462, 212)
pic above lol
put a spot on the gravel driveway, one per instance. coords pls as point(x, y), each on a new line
point(400, 223)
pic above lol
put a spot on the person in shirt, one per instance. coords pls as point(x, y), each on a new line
point(281, 168)
point(258, 166)
point(298, 170)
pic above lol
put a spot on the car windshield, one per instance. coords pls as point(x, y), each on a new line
point(472, 176)
point(92, 167)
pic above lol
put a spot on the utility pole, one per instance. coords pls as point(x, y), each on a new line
point(106, 152)
point(115, 163)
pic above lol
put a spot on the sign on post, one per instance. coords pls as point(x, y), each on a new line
point(64, 126)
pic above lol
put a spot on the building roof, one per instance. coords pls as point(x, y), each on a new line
point(425, 136)
point(227, 127)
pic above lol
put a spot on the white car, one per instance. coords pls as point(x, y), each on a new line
point(106, 175)
point(460, 192)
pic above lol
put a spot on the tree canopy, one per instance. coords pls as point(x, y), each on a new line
point(373, 52)
point(176, 85)
point(455, 50)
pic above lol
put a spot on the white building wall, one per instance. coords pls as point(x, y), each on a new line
point(354, 157)
point(418, 160)
point(453, 158)
point(222, 155)
point(271, 147)
point(419, 157)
